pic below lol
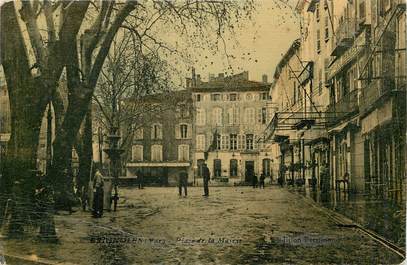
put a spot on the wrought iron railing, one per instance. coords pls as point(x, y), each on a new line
point(344, 107)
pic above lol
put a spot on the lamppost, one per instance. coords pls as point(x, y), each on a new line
point(49, 139)
point(114, 152)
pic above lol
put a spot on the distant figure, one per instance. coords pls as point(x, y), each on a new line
point(206, 177)
point(98, 194)
point(254, 180)
point(324, 175)
point(140, 179)
point(183, 182)
point(262, 178)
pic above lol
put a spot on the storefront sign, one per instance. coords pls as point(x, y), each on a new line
point(348, 56)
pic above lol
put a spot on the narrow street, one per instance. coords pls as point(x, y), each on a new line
point(235, 225)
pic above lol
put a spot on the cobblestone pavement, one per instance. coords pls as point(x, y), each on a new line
point(235, 225)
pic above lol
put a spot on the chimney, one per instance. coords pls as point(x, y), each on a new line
point(188, 82)
point(245, 75)
point(193, 77)
point(264, 78)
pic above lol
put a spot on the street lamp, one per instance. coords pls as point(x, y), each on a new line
point(114, 153)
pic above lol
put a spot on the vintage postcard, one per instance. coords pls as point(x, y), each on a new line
point(202, 132)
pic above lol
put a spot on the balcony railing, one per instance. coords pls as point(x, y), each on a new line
point(379, 89)
point(344, 35)
point(343, 108)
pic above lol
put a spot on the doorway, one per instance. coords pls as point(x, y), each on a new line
point(249, 165)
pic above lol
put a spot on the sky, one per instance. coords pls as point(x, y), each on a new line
point(261, 43)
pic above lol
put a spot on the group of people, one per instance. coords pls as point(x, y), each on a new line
point(256, 183)
point(183, 181)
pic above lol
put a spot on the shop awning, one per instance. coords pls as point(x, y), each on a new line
point(158, 164)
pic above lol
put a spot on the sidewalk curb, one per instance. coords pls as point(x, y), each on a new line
point(343, 221)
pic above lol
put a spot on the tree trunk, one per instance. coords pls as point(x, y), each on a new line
point(62, 147)
point(27, 109)
point(85, 154)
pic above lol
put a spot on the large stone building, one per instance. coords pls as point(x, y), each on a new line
point(339, 94)
point(162, 146)
point(231, 114)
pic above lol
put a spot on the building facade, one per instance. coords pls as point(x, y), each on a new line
point(162, 146)
point(350, 66)
point(230, 116)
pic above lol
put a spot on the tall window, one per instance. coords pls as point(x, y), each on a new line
point(249, 141)
point(241, 142)
point(156, 131)
point(263, 115)
point(200, 142)
point(218, 141)
point(266, 167)
point(217, 167)
point(138, 134)
point(233, 168)
point(249, 116)
point(217, 116)
point(233, 142)
point(225, 142)
point(231, 116)
point(137, 153)
point(200, 117)
point(183, 152)
point(183, 128)
point(156, 152)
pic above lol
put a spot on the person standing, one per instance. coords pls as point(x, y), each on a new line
point(140, 179)
point(98, 194)
point(262, 178)
point(254, 180)
point(183, 182)
point(206, 177)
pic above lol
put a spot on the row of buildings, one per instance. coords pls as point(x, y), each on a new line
point(220, 121)
point(339, 94)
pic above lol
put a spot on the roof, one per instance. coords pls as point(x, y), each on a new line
point(234, 83)
point(287, 56)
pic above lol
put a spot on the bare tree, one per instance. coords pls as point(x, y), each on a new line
point(38, 46)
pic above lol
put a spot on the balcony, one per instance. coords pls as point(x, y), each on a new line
point(379, 90)
point(343, 108)
point(347, 29)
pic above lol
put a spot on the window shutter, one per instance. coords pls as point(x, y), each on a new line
point(152, 132)
point(186, 152)
point(189, 131)
point(178, 131)
point(179, 152)
point(255, 142)
point(258, 115)
point(160, 132)
point(160, 150)
point(227, 139)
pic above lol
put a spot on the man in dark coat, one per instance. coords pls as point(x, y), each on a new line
point(98, 194)
point(183, 182)
point(206, 177)
point(254, 180)
point(262, 178)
